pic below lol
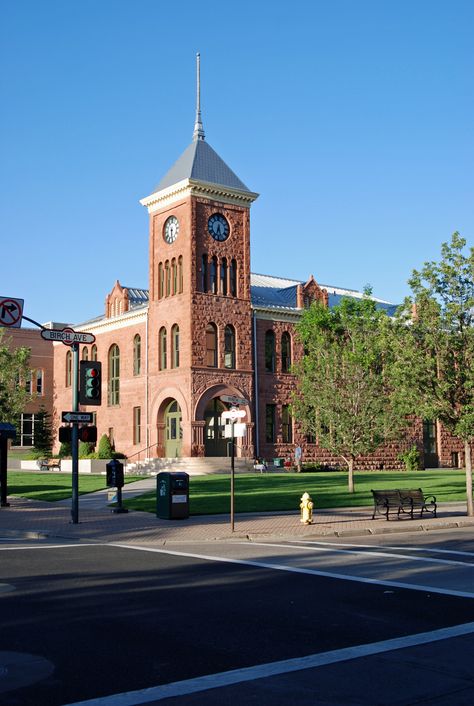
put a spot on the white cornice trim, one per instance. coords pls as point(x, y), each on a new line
point(130, 318)
point(193, 187)
point(274, 314)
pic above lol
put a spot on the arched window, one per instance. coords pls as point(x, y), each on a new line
point(270, 351)
point(174, 277)
point(213, 275)
point(180, 274)
point(223, 277)
point(85, 353)
point(285, 352)
point(68, 369)
point(233, 278)
point(161, 280)
point(114, 375)
point(229, 347)
point(204, 273)
point(167, 279)
point(175, 346)
point(94, 352)
point(137, 354)
point(211, 345)
point(163, 362)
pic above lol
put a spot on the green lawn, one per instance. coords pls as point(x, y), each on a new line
point(51, 486)
point(282, 491)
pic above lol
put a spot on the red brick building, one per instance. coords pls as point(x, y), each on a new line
point(205, 328)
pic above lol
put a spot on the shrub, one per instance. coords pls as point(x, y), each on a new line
point(65, 450)
point(105, 447)
point(411, 459)
point(86, 449)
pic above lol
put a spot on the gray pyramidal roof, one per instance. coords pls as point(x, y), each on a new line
point(200, 162)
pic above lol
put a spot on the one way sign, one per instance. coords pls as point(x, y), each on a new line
point(11, 312)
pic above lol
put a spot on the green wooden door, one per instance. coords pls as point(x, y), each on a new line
point(173, 431)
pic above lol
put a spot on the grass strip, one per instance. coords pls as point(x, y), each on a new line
point(270, 492)
point(51, 486)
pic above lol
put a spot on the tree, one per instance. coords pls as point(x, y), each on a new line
point(343, 393)
point(435, 354)
point(43, 432)
point(13, 372)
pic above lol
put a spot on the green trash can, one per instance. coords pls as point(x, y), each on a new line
point(172, 495)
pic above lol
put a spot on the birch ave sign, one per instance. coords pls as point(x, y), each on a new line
point(67, 336)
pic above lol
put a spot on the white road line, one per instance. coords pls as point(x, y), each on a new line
point(271, 669)
point(327, 548)
point(299, 570)
point(52, 546)
point(432, 550)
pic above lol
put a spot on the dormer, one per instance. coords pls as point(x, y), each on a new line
point(310, 292)
point(117, 302)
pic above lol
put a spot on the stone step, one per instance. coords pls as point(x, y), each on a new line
point(193, 465)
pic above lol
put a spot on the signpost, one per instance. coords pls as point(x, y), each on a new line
point(235, 401)
point(11, 314)
point(233, 414)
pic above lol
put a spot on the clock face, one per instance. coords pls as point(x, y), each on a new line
point(171, 229)
point(218, 227)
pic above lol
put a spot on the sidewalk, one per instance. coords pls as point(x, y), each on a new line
point(28, 519)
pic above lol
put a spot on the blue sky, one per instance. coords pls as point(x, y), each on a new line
point(351, 119)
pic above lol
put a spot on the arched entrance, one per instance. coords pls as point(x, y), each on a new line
point(173, 430)
point(214, 442)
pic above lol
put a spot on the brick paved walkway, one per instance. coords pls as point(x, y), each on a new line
point(30, 519)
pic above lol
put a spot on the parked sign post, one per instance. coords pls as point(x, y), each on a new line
point(233, 414)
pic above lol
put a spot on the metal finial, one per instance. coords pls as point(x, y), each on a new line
point(198, 128)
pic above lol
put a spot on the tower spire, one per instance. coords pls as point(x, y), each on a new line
point(198, 128)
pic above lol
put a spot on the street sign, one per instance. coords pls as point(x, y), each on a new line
point(240, 430)
point(233, 414)
point(84, 417)
point(67, 336)
point(231, 399)
point(11, 311)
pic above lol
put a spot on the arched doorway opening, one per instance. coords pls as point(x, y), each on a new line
point(214, 442)
point(173, 430)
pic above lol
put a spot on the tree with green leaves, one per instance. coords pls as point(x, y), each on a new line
point(14, 369)
point(343, 396)
point(105, 449)
point(434, 369)
point(43, 432)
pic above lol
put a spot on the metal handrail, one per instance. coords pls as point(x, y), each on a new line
point(138, 453)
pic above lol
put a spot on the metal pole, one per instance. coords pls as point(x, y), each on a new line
point(75, 436)
point(232, 479)
point(3, 471)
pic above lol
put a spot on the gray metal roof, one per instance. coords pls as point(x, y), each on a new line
point(200, 162)
point(137, 297)
point(269, 292)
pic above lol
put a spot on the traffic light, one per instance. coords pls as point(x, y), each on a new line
point(88, 434)
point(90, 388)
point(65, 435)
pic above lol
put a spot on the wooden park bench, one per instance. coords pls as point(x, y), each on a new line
point(47, 464)
point(402, 501)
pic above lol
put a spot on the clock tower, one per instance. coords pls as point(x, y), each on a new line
point(200, 315)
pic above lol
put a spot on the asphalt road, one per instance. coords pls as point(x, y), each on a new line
point(314, 623)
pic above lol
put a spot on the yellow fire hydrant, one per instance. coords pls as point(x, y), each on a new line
point(306, 507)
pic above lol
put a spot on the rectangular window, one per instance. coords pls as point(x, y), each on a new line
point(137, 423)
point(270, 423)
point(39, 382)
point(286, 425)
point(28, 382)
point(25, 430)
